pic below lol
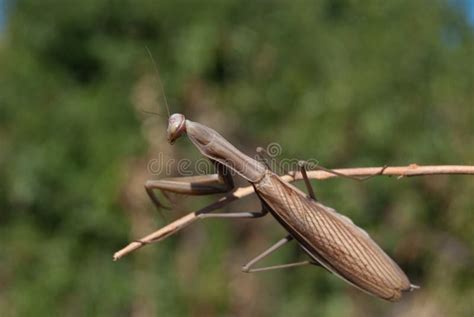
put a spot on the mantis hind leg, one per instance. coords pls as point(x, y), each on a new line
point(247, 268)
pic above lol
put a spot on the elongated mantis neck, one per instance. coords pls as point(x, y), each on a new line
point(212, 145)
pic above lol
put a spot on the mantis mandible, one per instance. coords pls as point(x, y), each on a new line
point(330, 239)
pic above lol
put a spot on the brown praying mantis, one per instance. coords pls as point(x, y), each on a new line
point(330, 239)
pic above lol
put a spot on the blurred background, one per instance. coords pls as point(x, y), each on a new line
point(344, 82)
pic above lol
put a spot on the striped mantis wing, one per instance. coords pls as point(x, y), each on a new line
point(333, 240)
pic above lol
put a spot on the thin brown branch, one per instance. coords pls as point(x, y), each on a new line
point(182, 222)
point(399, 171)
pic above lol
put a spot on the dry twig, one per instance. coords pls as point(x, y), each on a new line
point(400, 171)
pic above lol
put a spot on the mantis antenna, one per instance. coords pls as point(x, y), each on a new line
point(159, 80)
point(151, 112)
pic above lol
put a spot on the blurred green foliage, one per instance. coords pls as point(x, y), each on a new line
point(346, 82)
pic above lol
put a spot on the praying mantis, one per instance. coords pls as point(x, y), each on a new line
point(330, 239)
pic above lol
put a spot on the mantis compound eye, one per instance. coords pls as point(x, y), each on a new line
point(176, 127)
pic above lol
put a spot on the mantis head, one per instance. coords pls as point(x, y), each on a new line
point(176, 127)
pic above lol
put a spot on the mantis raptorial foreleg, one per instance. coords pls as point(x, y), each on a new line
point(221, 182)
point(247, 268)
